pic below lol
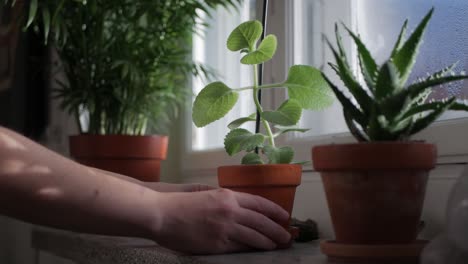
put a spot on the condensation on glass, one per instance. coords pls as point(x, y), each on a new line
point(379, 23)
point(209, 47)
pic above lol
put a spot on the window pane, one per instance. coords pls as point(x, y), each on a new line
point(209, 47)
point(379, 23)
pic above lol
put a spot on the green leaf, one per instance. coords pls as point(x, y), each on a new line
point(245, 36)
point(241, 139)
point(367, 63)
point(288, 114)
point(348, 106)
point(430, 118)
point(401, 38)
point(352, 127)
point(306, 85)
point(346, 75)
point(283, 155)
point(265, 51)
point(32, 12)
point(387, 81)
point(281, 130)
point(252, 159)
point(46, 21)
point(212, 103)
point(240, 121)
point(405, 58)
point(414, 89)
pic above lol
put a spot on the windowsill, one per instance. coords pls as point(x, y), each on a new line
point(81, 248)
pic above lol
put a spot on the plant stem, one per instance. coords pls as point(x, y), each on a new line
point(271, 137)
point(266, 86)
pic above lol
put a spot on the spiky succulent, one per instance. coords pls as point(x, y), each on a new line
point(388, 109)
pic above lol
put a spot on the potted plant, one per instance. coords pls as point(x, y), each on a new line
point(375, 188)
point(272, 175)
point(126, 65)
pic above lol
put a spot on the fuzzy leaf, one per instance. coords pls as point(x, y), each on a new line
point(346, 75)
point(281, 130)
point(306, 85)
point(283, 155)
point(252, 159)
point(367, 63)
point(245, 36)
point(241, 139)
point(387, 81)
point(265, 51)
point(288, 114)
point(212, 103)
point(405, 58)
point(240, 121)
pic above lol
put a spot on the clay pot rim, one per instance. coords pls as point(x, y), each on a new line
point(93, 146)
point(381, 155)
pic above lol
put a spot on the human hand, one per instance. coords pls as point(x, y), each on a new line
point(169, 187)
point(218, 221)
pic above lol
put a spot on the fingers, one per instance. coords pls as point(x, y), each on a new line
point(263, 206)
point(264, 225)
point(244, 235)
point(197, 187)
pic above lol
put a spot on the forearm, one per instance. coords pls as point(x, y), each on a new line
point(39, 186)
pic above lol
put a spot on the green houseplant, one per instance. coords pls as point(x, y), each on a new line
point(270, 175)
point(375, 188)
point(126, 65)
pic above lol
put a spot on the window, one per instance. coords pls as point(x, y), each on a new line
point(210, 49)
point(378, 23)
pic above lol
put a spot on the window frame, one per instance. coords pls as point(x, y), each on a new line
point(446, 134)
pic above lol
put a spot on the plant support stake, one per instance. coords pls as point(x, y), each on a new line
point(260, 72)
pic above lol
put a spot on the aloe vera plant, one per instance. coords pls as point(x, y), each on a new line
point(389, 109)
point(306, 89)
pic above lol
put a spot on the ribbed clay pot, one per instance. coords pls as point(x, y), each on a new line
point(375, 191)
point(275, 182)
point(135, 156)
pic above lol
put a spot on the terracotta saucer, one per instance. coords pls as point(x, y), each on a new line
point(382, 254)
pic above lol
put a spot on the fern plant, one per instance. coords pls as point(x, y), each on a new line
point(306, 89)
point(389, 109)
point(126, 61)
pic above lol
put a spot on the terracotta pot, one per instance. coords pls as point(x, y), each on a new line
point(275, 182)
point(135, 156)
point(375, 191)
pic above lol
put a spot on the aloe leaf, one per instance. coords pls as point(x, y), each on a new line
point(405, 58)
point(401, 38)
point(421, 109)
point(212, 103)
point(281, 130)
point(252, 159)
point(32, 12)
point(306, 85)
point(245, 36)
point(339, 43)
point(283, 155)
point(348, 106)
point(418, 87)
point(352, 127)
point(302, 162)
point(288, 114)
point(457, 106)
point(424, 122)
point(351, 83)
point(46, 21)
point(265, 51)
point(240, 121)
point(367, 63)
point(241, 139)
point(387, 81)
